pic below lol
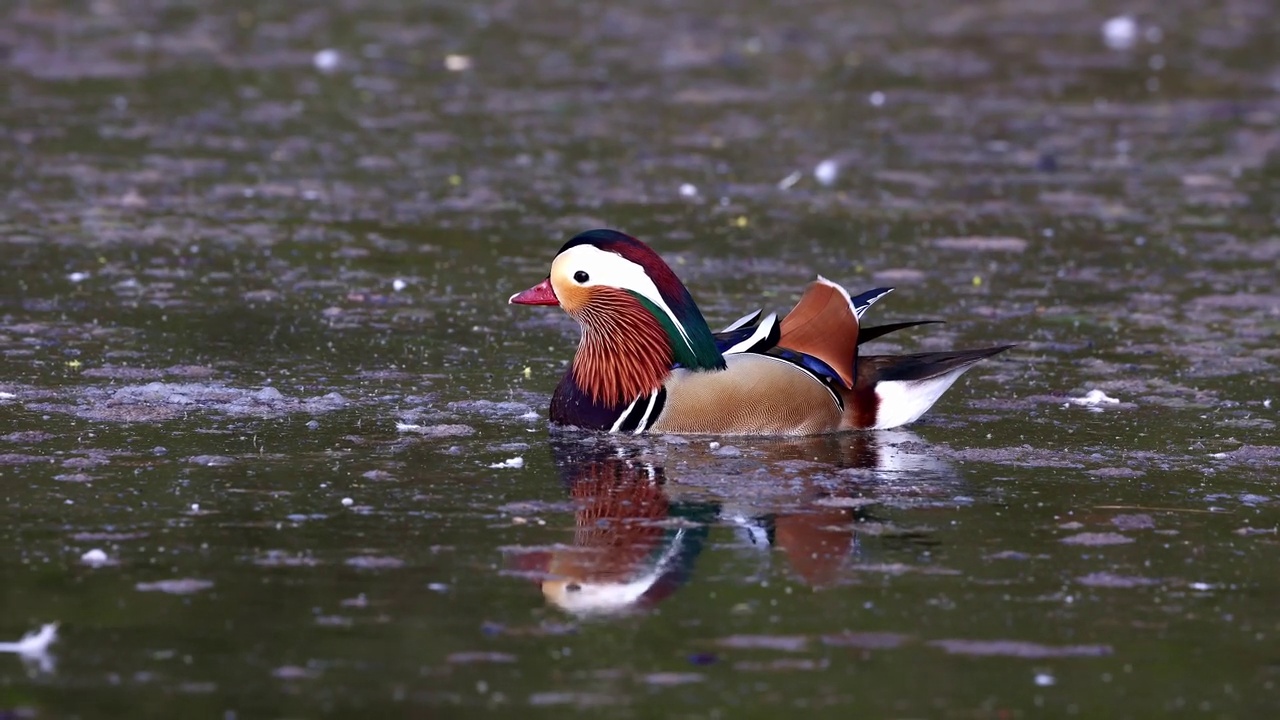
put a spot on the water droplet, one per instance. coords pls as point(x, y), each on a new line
point(826, 171)
point(327, 60)
point(1120, 32)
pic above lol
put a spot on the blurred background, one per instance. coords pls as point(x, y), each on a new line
point(273, 445)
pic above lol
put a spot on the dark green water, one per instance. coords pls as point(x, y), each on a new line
point(230, 278)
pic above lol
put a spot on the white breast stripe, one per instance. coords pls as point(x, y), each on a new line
point(761, 333)
point(617, 424)
point(644, 421)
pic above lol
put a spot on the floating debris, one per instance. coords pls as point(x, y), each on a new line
point(178, 586)
point(436, 430)
point(327, 60)
point(375, 562)
point(789, 181)
point(398, 284)
point(977, 243)
point(515, 462)
point(671, 679)
point(1112, 580)
point(1138, 521)
point(33, 648)
point(212, 460)
point(826, 171)
point(33, 644)
point(294, 672)
point(1094, 398)
point(77, 277)
point(457, 63)
point(866, 640)
point(688, 190)
point(1018, 648)
point(348, 502)
point(780, 643)
point(1120, 32)
point(1097, 538)
point(876, 99)
point(95, 558)
point(479, 656)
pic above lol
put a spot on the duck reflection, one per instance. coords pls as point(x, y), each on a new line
point(637, 536)
point(632, 546)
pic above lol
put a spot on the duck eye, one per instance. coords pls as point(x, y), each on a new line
point(573, 587)
point(581, 277)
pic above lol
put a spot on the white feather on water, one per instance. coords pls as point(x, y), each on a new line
point(34, 646)
point(33, 643)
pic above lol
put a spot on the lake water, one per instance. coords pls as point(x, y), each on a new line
point(273, 445)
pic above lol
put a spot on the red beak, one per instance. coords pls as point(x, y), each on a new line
point(540, 294)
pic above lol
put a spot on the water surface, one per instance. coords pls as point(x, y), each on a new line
point(256, 353)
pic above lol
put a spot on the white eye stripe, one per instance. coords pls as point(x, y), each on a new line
point(612, 270)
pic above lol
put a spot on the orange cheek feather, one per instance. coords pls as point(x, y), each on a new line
point(574, 298)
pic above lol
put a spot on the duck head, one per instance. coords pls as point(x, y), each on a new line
point(638, 320)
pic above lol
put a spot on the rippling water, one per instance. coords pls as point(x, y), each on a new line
point(272, 444)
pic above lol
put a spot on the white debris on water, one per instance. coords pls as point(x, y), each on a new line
point(457, 63)
point(1044, 679)
point(515, 462)
point(195, 507)
point(175, 586)
point(348, 502)
point(1094, 398)
point(1120, 32)
point(445, 430)
point(1265, 403)
point(826, 171)
point(398, 284)
point(95, 558)
point(78, 276)
point(7, 395)
point(787, 182)
point(327, 60)
point(33, 644)
point(876, 99)
point(688, 190)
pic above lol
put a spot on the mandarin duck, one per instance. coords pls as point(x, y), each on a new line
point(648, 361)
